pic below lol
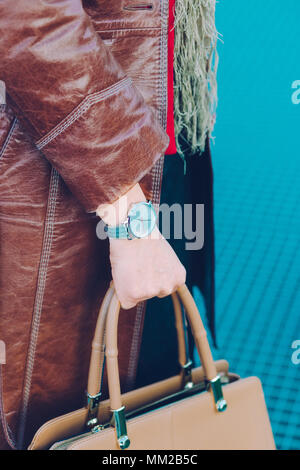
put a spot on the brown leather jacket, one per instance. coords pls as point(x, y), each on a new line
point(86, 108)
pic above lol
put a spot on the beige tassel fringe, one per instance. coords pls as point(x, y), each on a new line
point(195, 70)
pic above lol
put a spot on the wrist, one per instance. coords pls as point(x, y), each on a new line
point(116, 213)
point(123, 242)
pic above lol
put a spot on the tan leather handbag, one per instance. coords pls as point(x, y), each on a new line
point(203, 408)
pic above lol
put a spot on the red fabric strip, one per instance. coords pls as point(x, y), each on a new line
point(170, 113)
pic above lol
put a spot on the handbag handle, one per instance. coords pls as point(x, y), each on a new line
point(111, 353)
point(98, 357)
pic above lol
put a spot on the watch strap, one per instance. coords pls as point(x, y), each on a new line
point(119, 231)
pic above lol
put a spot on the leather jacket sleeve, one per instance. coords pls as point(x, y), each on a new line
point(78, 106)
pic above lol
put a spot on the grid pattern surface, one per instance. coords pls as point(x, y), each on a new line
point(257, 201)
point(257, 287)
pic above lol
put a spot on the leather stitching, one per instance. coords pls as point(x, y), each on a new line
point(6, 430)
point(82, 108)
point(128, 30)
point(37, 311)
point(8, 137)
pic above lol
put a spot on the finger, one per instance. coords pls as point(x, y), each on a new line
point(165, 293)
point(127, 305)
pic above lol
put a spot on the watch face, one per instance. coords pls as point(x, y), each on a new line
point(141, 219)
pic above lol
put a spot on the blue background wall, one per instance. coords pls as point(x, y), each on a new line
point(257, 201)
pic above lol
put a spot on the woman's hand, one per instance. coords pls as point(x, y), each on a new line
point(144, 268)
point(141, 268)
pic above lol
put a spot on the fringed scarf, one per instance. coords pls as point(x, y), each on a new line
point(195, 70)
